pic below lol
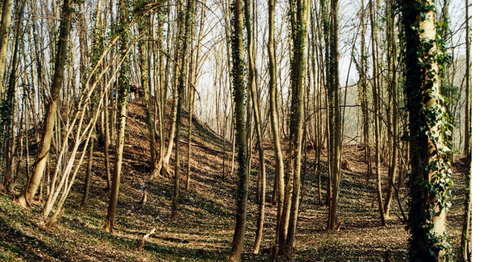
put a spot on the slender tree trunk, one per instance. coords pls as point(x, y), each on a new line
point(7, 141)
point(393, 91)
point(145, 79)
point(238, 77)
point(465, 241)
point(107, 139)
point(334, 118)
point(26, 198)
point(4, 39)
point(275, 129)
point(185, 38)
point(376, 109)
point(300, 12)
point(194, 73)
point(83, 77)
point(123, 96)
point(88, 175)
point(364, 94)
point(251, 86)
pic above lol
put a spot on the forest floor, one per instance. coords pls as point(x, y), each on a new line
point(204, 227)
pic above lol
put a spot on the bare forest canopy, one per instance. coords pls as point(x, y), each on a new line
point(207, 130)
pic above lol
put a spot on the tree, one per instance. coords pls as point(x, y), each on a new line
point(4, 39)
point(465, 244)
point(376, 107)
point(430, 176)
point(334, 121)
point(251, 86)
point(393, 100)
point(275, 129)
point(31, 187)
point(8, 107)
point(184, 39)
point(122, 104)
point(238, 76)
point(299, 19)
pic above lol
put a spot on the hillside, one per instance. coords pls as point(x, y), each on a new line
point(204, 228)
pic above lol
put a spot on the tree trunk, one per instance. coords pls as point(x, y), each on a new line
point(465, 241)
point(88, 175)
point(184, 39)
point(238, 74)
point(7, 141)
point(251, 86)
point(393, 100)
point(364, 94)
point(430, 177)
point(4, 39)
point(334, 120)
point(26, 198)
point(299, 19)
point(376, 110)
point(123, 96)
point(275, 129)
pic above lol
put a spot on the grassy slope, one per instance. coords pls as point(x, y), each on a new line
point(203, 230)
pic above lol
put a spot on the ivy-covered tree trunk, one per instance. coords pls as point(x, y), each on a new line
point(430, 176)
point(299, 18)
point(238, 76)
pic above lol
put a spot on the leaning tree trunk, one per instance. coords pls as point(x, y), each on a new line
point(26, 198)
point(430, 176)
